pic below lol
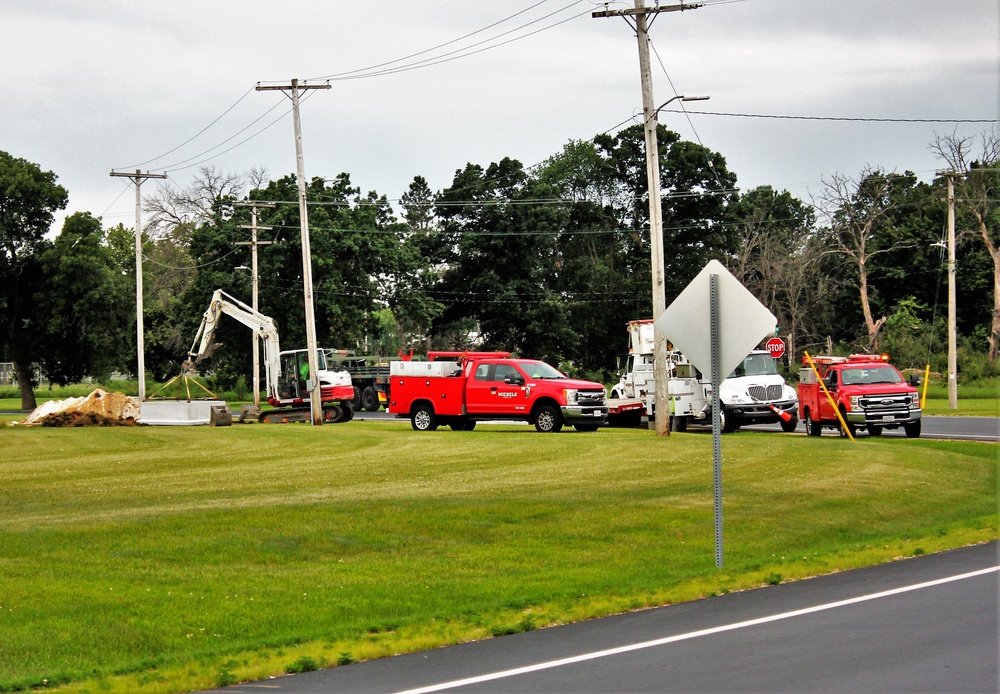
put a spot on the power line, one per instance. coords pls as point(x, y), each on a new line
point(836, 118)
point(464, 52)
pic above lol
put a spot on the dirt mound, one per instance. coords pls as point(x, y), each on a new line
point(100, 408)
point(83, 419)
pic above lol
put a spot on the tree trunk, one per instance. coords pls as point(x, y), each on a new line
point(873, 325)
point(994, 336)
point(23, 375)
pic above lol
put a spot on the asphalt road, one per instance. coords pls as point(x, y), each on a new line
point(927, 624)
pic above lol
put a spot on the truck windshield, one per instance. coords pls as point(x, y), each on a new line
point(870, 376)
point(756, 365)
point(539, 369)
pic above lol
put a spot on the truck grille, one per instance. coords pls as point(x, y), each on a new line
point(764, 393)
point(590, 398)
point(894, 401)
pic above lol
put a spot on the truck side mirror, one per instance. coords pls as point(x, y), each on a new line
point(914, 380)
point(513, 379)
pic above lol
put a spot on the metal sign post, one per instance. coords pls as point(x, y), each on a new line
point(716, 424)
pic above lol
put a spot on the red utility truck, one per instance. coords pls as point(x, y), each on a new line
point(869, 392)
point(459, 389)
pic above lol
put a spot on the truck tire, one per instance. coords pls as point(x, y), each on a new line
point(357, 399)
point(874, 430)
point(812, 428)
point(463, 424)
point(369, 399)
point(789, 426)
point(586, 427)
point(348, 406)
point(912, 430)
point(853, 430)
point(726, 422)
point(548, 420)
point(423, 418)
point(678, 424)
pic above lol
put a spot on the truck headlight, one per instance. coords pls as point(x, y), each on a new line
point(855, 402)
point(570, 396)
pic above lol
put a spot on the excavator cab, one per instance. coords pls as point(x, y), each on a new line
point(293, 383)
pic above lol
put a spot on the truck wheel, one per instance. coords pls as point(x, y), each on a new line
point(348, 407)
point(369, 399)
point(548, 420)
point(462, 424)
point(789, 426)
point(357, 399)
point(812, 428)
point(850, 427)
point(423, 418)
point(874, 430)
point(912, 430)
point(678, 424)
point(585, 427)
point(726, 423)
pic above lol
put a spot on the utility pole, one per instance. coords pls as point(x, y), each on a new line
point(649, 112)
point(952, 347)
point(140, 344)
point(253, 243)
point(316, 403)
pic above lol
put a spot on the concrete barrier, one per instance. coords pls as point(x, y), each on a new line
point(177, 412)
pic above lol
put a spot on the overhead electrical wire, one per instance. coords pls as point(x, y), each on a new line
point(345, 75)
point(838, 118)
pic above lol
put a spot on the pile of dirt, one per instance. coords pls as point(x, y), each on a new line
point(83, 419)
point(100, 408)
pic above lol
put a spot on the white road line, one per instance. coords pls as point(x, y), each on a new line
point(690, 635)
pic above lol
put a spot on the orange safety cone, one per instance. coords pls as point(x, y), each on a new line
point(785, 416)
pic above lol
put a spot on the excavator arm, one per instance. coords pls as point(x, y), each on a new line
point(262, 326)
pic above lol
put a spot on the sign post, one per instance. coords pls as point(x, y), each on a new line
point(737, 322)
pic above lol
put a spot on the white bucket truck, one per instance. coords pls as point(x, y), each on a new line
point(755, 393)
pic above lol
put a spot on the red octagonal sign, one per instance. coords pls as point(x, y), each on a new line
point(776, 347)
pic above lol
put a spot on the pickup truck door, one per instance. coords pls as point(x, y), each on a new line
point(489, 392)
point(825, 409)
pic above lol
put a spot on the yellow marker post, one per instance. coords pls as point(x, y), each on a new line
point(923, 395)
point(833, 403)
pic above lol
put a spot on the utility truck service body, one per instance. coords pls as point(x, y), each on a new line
point(867, 390)
point(755, 393)
point(459, 389)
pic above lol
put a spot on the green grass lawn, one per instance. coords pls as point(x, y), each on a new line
point(179, 558)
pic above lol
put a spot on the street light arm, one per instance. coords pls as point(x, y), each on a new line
point(675, 98)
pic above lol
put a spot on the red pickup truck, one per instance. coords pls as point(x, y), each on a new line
point(869, 392)
point(461, 389)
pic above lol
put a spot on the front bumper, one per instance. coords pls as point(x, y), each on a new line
point(884, 418)
point(581, 414)
point(761, 413)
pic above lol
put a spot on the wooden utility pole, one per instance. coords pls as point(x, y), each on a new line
point(952, 347)
point(140, 344)
point(254, 279)
point(316, 402)
point(649, 111)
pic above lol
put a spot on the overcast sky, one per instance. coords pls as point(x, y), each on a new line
point(119, 84)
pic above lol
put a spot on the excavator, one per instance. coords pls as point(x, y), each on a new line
point(286, 373)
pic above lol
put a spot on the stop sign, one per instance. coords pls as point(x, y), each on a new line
point(776, 347)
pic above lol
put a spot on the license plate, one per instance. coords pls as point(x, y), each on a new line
point(888, 418)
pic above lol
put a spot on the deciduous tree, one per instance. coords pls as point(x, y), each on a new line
point(29, 197)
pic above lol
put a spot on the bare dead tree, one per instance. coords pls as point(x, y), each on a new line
point(976, 187)
point(197, 204)
point(858, 212)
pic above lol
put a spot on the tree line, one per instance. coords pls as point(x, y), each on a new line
point(548, 261)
